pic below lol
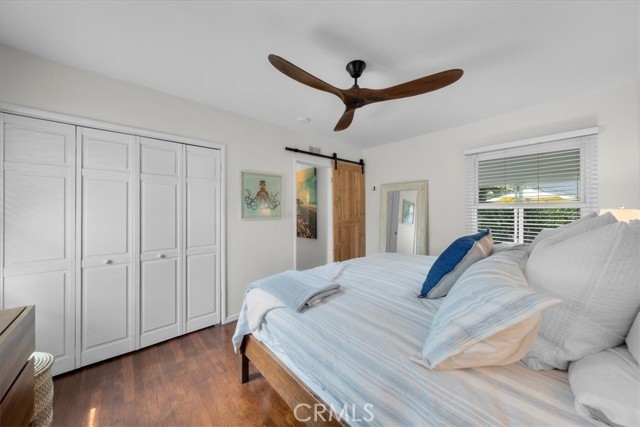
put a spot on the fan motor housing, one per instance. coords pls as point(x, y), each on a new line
point(356, 67)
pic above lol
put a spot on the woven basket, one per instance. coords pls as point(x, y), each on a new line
point(43, 411)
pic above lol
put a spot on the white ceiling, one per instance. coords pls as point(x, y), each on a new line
point(515, 54)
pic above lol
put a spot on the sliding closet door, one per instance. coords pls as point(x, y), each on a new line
point(348, 212)
point(202, 237)
point(161, 248)
point(38, 230)
point(106, 222)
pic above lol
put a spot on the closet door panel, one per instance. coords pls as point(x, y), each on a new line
point(161, 248)
point(106, 325)
point(160, 157)
point(105, 213)
point(104, 151)
point(38, 217)
point(202, 163)
point(38, 142)
point(201, 290)
point(35, 218)
point(203, 230)
point(201, 214)
point(160, 304)
point(160, 211)
point(108, 291)
point(50, 293)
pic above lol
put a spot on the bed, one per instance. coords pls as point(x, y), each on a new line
point(351, 359)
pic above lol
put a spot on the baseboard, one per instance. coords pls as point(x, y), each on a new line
point(232, 318)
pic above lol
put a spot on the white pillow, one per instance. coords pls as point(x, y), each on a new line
point(606, 387)
point(633, 339)
point(582, 225)
point(596, 276)
point(490, 317)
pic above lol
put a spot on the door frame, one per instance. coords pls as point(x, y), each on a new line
point(318, 163)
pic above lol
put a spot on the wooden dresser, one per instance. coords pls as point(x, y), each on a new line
point(17, 343)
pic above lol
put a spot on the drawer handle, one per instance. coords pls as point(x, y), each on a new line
point(161, 256)
point(107, 261)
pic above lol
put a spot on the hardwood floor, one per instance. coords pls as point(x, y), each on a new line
point(193, 380)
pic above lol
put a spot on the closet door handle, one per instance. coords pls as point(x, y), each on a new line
point(107, 261)
point(161, 256)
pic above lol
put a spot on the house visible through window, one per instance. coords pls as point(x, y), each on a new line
point(520, 188)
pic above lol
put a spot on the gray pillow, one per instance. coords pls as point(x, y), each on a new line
point(595, 274)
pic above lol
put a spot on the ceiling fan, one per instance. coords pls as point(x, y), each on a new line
point(357, 97)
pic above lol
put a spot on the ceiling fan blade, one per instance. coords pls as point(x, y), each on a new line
point(298, 74)
point(412, 88)
point(345, 120)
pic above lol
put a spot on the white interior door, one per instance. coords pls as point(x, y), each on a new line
point(108, 267)
point(161, 248)
point(392, 218)
point(202, 237)
point(38, 227)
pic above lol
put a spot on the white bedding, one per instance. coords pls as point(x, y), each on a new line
point(353, 350)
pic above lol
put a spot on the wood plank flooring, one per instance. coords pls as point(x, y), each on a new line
point(193, 380)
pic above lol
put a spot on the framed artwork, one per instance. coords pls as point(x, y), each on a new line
point(261, 195)
point(307, 203)
point(407, 211)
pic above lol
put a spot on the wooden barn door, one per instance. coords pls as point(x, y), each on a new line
point(348, 211)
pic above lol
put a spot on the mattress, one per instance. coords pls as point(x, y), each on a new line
point(353, 351)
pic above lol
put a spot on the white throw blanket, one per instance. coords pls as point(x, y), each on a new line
point(258, 302)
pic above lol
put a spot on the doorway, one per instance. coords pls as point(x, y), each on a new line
point(312, 197)
point(401, 222)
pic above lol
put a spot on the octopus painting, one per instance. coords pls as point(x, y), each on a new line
point(262, 199)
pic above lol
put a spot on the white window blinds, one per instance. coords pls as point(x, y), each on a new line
point(518, 189)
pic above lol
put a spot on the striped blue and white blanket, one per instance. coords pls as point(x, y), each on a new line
point(353, 351)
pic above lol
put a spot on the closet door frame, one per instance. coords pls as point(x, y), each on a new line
point(107, 126)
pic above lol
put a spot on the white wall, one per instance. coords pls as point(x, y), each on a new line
point(255, 249)
point(439, 158)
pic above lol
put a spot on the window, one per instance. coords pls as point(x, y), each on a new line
point(517, 189)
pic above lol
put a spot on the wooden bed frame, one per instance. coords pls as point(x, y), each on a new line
point(292, 390)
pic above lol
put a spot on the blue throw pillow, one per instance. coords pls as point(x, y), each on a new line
point(454, 261)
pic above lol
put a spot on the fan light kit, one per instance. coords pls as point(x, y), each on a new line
point(356, 97)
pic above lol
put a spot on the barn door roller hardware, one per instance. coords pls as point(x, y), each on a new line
point(334, 157)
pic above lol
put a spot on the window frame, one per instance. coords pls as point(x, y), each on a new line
point(586, 140)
